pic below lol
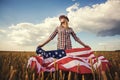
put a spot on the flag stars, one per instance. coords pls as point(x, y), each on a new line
point(60, 55)
point(56, 53)
point(49, 53)
point(62, 52)
point(46, 55)
point(40, 50)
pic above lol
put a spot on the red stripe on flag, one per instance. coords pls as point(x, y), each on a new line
point(76, 50)
point(39, 59)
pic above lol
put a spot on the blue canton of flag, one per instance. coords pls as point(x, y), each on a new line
point(55, 53)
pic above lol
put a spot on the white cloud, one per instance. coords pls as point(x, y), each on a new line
point(102, 19)
point(29, 34)
point(22, 36)
point(73, 8)
point(2, 31)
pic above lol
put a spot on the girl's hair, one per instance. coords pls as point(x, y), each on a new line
point(63, 16)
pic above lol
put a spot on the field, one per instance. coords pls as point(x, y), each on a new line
point(13, 67)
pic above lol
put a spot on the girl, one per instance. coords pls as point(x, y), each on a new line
point(64, 32)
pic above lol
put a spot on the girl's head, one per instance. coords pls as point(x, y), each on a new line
point(64, 20)
point(63, 17)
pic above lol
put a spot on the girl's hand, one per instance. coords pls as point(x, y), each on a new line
point(86, 46)
point(41, 45)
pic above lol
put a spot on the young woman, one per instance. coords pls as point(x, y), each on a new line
point(64, 32)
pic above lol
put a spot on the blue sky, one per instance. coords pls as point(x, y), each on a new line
point(34, 11)
point(97, 29)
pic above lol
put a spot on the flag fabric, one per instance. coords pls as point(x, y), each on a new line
point(74, 64)
point(53, 53)
point(79, 60)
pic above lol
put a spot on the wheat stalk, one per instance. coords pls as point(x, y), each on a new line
point(116, 76)
point(33, 76)
point(54, 76)
point(108, 69)
point(51, 75)
point(12, 74)
point(83, 78)
point(69, 75)
point(26, 76)
point(75, 77)
point(55, 66)
point(92, 68)
point(42, 77)
point(39, 75)
point(104, 75)
point(57, 72)
point(61, 76)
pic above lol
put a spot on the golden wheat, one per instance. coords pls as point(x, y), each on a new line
point(13, 67)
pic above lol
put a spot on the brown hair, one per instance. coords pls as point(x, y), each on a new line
point(63, 16)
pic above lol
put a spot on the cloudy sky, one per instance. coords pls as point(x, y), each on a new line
point(24, 24)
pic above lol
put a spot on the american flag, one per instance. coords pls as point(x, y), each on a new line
point(78, 60)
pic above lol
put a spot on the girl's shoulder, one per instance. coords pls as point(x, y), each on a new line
point(70, 28)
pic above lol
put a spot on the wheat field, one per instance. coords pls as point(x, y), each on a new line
point(13, 67)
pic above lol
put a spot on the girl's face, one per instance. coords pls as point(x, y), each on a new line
point(64, 21)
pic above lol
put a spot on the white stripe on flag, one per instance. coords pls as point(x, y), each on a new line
point(79, 53)
point(97, 64)
point(57, 61)
point(90, 57)
point(103, 59)
point(49, 60)
point(75, 63)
